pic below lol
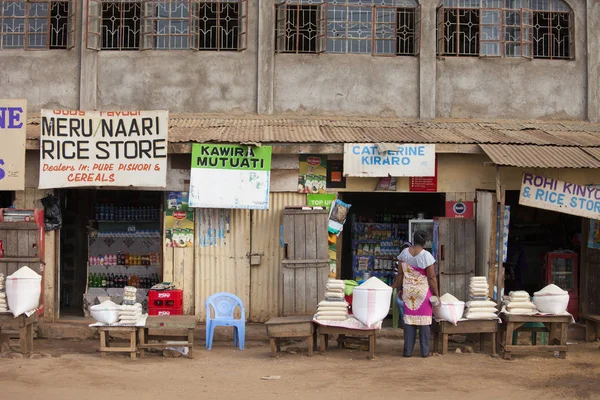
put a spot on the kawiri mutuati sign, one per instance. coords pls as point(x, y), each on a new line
point(568, 198)
point(230, 176)
point(13, 126)
point(103, 148)
point(389, 159)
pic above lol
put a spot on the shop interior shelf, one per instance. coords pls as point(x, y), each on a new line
point(141, 221)
point(121, 265)
point(378, 256)
point(375, 241)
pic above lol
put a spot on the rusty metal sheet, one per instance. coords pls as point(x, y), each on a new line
point(528, 156)
point(537, 137)
point(579, 138)
point(292, 134)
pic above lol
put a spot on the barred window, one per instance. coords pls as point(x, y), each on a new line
point(218, 25)
point(39, 25)
point(378, 27)
point(505, 28)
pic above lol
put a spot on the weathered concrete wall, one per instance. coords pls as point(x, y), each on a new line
point(181, 80)
point(347, 84)
point(593, 60)
point(47, 79)
point(472, 87)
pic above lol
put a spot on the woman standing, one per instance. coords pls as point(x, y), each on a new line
point(417, 282)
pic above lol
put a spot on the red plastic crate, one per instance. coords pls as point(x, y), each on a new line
point(165, 299)
point(161, 311)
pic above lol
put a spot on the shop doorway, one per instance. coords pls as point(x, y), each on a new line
point(97, 225)
point(543, 247)
point(387, 216)
point(6, 198)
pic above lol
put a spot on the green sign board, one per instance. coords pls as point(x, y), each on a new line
point(231, 156)
point(320, 200)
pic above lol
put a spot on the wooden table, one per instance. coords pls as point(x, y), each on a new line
point(291, 327)
point(171, 328)
point(26, 325)
point(325, 331)
point(556, 325)
point(106, 347)
point(482, 327)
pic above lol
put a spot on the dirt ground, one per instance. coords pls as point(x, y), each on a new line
point(74, 370)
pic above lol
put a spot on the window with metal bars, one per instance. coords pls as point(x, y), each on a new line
point(218, 25)
point(37, 25)
point(378, 27)
point(505, 28)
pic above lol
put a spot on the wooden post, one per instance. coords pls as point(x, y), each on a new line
point(500, 196)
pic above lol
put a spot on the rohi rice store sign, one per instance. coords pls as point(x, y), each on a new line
point(103, 148)
point(389, 159)
point(568, 198)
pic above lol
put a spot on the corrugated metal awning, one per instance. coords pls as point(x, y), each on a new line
point(530, 156)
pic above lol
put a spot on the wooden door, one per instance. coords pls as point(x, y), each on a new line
point(306, 263)
point(456, 255)
point(21, 247)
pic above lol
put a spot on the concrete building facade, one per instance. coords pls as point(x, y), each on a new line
point(264, 78)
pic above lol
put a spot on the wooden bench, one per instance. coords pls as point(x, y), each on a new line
point(482, 327)
point(169, 328)
point(26, 325)
point(105, 344)
point(291, 327)
point(555, 325)
point(592, 326)
point(325, 331)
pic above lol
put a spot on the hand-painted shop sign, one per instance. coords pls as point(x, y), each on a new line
point(378, 160)
point(459, 209)
point(568, 198)
point(13, 134)
point(103, 148)
point(230, 176)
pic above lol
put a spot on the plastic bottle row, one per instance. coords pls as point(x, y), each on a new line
point(121, 258)
point(110, 212)
point(121, 280)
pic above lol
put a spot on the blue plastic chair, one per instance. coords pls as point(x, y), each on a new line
point(223, 305)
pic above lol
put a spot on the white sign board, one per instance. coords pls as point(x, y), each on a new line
point(389, 159)
point(13, 134)
point(568, 198)
point(103, 148)
point(230, 176)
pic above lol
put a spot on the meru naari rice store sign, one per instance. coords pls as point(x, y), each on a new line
point(103, 148)
point(564, 197)
point(389, 159)
point(230, 176)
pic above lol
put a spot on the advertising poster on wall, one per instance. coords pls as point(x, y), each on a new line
point(179, 220)
point(594, 237)
point(312, 175)
point(13, 135)
point(103, 148)
point(230, 176)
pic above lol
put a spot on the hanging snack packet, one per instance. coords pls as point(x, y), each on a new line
point(337, 216)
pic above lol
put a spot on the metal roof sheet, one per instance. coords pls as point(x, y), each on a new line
point(528, 156)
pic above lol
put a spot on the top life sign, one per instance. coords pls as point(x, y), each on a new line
point(389, 159)
point(13, 126)
point(568, 198)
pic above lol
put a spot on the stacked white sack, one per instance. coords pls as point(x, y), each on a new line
point(480, 306)
point(479, 288)
point(129, 295)
point(3, 302)
point(519, 303)
point(334, 307)
point(130, 314)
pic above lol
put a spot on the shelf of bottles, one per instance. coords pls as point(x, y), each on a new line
point(376, 245)
point(124, 250)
